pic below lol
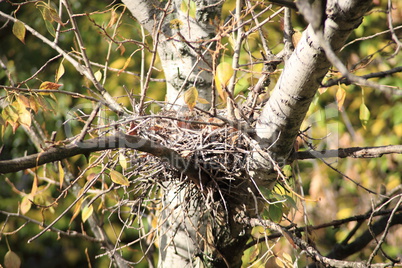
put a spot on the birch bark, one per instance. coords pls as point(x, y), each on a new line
point(181, 51)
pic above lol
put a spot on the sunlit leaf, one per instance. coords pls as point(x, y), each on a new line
point(24, 116)
point(61, 174)
point(77, 207)
point(224, 72)
point(87, 212)
point(340, 97)
point(26, 204)
point(19, 31)
point(119, 178)
point(190, 97)
point(98, 75)
point(202, 100)
point(364, 115)
point(122, 160)
point(11, 260)
point(60, 71)
point(126, 63)
point(34, 188)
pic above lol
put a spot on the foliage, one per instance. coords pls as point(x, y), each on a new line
point(44, 93)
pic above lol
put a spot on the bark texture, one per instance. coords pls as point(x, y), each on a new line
point(286, 109)
point(191, 235)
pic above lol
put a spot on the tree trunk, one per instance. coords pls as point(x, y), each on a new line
point(192, 234)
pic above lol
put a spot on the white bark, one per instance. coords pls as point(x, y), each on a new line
point(286, 109)
point(182, 50)
point(183, 228)
point(184, 56)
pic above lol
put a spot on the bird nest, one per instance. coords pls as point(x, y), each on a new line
point(218, 149)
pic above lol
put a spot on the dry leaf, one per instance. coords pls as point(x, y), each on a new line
point(11, 260)
point(49, 85)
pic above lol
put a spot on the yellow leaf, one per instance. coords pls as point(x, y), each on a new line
point(364, 115)
point(340, 97)
point(61, 175)
point(26, 204)
point(224, 72)
point(77, 209)
point(11, 260)
point(24, 117)
point(296, 37)
point(202, 100)
point(122, 161)
point(190, 97)
point(98, 75)
point(19, 31)
point(49, 85)
point(23, 101)
point(33, 104)
point(118, 178)
point(126, 63)
point(87, 212)
point(34, 186)
point(60, 71)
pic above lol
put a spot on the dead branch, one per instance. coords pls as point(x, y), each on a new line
point(354, 152)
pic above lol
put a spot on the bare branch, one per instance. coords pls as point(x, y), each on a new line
point(354, 152)
point(119, 140)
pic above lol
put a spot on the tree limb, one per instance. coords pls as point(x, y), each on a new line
point(355, 152)
point(119, 140)
point(286, 109)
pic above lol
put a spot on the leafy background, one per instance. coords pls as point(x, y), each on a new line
point(328, 196)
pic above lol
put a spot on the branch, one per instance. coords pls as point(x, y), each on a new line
point(58, 231)
point(119, 140)
point(333, 259)
point(281, 117)
point(343, 251)
point(112, 104)
point(355, 152)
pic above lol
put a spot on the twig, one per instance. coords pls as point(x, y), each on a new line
point(354, 152)
point(68, 234)
point(109, 101)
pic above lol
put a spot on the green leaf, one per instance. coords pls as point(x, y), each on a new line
point(118, 178)
point(50, 28)
point(364, 115)
point(19, 31)
point(275, 212)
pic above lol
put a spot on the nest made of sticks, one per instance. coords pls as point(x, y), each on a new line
point(217, 148)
